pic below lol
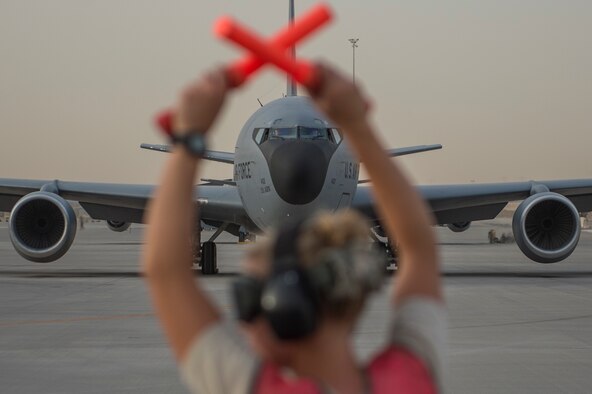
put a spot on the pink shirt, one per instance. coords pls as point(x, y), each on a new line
point(219, 361)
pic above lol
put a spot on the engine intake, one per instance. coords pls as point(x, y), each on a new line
point(546, 227)
point(42, 227)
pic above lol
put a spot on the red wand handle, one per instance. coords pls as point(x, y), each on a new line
point(264, 52)
point(164, 121)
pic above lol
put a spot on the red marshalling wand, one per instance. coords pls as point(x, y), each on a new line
point(262, 52)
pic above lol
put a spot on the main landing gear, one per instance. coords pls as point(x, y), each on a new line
point(209, 259)
point(384, 245)
point(205, 254)
point(391, 255)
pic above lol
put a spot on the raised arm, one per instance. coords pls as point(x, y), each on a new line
point(181, 305)
point(403, 212)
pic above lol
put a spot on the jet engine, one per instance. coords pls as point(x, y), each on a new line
point(42, 227)
point(546, 227)
point(459, 227)
point(117, 226)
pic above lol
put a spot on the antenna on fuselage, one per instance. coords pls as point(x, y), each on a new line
point(291, 88)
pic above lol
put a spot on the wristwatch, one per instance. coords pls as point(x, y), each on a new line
point(193, 142)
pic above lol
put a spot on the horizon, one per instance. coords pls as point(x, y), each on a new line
point(505, 87)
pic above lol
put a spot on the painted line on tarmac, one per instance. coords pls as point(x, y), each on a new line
point(73, 320)
point(18, 323)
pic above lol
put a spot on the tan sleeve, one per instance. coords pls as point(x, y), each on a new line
point(219, 361)
point(420, 325)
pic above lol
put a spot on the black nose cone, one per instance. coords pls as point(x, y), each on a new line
point(298, 168)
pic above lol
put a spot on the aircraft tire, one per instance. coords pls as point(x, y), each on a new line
point(208, 259)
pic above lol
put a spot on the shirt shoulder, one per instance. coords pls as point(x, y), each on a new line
point(219, 361)
point(420, 326)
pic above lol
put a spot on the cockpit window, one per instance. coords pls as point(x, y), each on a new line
point(310, 133)
point(260, 135)
point(336, 136)
point(283, 133)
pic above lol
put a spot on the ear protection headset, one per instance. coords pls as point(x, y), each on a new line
point(290, 298)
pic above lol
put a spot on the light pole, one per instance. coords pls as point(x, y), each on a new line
point(354, 42)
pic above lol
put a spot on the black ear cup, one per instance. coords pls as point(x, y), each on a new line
point(246, 292)
point(287, 299)
point(289, 304)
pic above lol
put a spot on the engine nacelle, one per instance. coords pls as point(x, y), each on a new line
point(546, 227)
point(42, 227)
point(118, 226)
point(459, 227)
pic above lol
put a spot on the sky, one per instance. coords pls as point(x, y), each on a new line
point(505, 86)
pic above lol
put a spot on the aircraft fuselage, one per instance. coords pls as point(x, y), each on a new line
point(291, 161)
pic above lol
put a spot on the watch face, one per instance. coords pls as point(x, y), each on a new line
point(196, 144)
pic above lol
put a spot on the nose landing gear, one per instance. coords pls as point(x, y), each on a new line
point(245, 236)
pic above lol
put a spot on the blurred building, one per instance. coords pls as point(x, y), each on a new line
point(587, 220)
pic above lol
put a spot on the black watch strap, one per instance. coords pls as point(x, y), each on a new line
point(193, 142)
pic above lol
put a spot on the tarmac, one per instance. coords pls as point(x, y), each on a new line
point(84, 324)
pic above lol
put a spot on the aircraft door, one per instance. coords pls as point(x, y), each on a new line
point(344, 201)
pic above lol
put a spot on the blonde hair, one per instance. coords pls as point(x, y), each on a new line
point(343, 237)
point(331, 231)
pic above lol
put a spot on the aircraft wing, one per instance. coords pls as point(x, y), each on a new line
point(471, 202)
point(213, 155)
point(126, 202)
point(409, 150)
point(228, 157)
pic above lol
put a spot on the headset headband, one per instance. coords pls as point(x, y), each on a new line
point(285, 251)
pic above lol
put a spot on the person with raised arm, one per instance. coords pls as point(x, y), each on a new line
point(303, 291)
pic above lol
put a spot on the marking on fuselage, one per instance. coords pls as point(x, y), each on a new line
point(350, 170)
point(242, 170)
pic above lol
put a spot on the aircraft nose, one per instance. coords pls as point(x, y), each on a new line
point(298, 170)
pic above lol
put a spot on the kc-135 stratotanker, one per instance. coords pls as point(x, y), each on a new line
point(290, 161)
